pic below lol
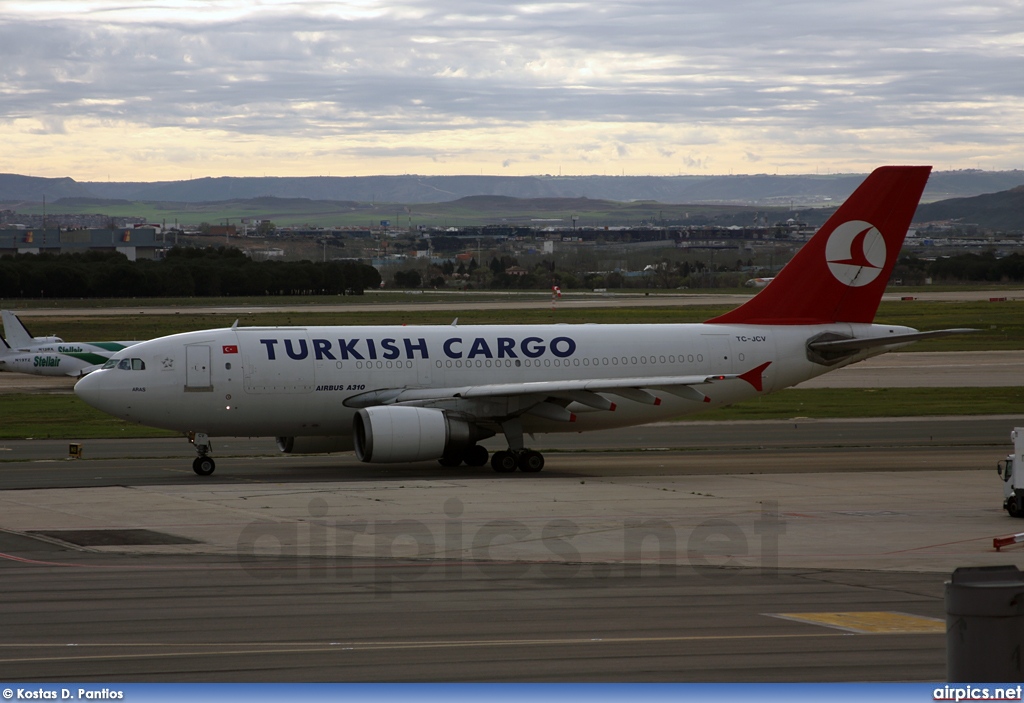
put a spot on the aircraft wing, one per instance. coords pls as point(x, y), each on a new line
point(499, 399)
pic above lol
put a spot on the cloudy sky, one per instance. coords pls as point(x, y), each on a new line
point(171, 89)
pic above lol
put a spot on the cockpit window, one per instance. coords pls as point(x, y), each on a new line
point(126, 364)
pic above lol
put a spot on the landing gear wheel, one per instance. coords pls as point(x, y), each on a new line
point(203, 465)
point(475, 455)
point(503, 462)
point(531, 461)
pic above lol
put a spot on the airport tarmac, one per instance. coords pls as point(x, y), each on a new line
point(767, 551)
point(923, 496)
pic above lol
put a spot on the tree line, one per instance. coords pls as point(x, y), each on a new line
point(183, 272)
point(667, 274)
point(985, 267)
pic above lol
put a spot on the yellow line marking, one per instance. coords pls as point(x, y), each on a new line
point(871, 622)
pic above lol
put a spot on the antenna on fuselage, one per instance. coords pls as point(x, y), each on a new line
point(455, 322)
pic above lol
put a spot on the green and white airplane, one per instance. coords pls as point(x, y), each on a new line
point(50, 356)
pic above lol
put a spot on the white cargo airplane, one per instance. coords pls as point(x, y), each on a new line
point(414, 393)
point(50, 356)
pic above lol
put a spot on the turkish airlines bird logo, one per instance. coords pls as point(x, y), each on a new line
point(855, 253)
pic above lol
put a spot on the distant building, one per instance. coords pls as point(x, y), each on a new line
point(134, 243)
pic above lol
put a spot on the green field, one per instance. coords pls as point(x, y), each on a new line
point(468, 212)
point(63, 416)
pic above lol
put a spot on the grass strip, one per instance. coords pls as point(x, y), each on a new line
point(824, 403)
point(63, 416)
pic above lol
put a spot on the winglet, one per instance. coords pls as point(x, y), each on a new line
point(841, 273)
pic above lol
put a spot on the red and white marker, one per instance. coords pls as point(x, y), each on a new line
point(999, 542)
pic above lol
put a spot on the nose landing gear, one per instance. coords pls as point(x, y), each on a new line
point(203, 464)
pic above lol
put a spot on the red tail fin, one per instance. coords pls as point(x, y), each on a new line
point(841, 273)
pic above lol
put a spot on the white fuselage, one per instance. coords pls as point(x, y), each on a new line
point(296, 381)
point(58, 358)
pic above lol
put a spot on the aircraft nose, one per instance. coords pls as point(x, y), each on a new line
point(95, 392)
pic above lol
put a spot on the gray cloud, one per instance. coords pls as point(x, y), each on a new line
point(810, 72)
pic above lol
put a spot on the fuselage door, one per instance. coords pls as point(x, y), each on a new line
point(197, 369)
point(719, 353)
point(423, 372)
point(277, 363)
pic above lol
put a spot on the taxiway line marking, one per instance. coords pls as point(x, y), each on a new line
point(306, 647)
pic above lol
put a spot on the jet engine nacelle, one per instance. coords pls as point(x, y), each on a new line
point(384, 435)
point(315, 445)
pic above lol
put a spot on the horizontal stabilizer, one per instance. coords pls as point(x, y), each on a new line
point(856, 344)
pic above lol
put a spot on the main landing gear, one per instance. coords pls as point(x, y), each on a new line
point(526, 460)
point(517, 456)
point(505, 461)
point(473, 455)
point(203, 464)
